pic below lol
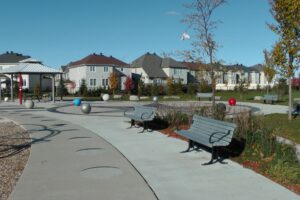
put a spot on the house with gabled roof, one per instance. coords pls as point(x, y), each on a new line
point(152, 68)
point(95, 69)
point(230, 76)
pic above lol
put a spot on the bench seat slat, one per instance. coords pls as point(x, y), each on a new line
point(214, 122)
point(208, 128)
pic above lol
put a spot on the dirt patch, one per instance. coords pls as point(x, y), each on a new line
point(14, 153)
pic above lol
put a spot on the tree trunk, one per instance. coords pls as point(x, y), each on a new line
point(290, 98)
point(212, 81)
point(268, 88)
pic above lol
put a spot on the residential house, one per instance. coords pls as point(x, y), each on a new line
point(230, 76)
point(152, 68)
point(95, 69)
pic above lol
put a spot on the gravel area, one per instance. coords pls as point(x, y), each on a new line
point(14, 153)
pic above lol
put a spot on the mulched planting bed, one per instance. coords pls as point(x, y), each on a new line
point(14, 153)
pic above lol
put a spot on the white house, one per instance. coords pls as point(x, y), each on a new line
point(230, 76)
point(95, 70)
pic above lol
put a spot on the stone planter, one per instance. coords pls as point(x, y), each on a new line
point(133, 98)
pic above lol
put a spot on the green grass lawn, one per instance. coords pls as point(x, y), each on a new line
point(287, 129)
point(225, 95)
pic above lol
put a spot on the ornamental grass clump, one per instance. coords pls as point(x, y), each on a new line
point(276, 160)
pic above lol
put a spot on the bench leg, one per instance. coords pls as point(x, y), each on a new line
point(131, 124)
point(213, 156)
point(144, 127)
point(191, 145)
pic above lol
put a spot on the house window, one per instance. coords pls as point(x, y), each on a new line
point(92, 82)
point(105, 69)
point(104, 82)
point(176, 71)
point(92, 68)
point(121, 68)
point(24, 82)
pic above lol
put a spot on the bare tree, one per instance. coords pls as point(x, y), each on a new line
point(200, 19)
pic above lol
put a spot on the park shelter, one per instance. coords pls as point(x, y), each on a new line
point(30, 66)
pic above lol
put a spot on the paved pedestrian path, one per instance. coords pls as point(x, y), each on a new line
point(70, 162)
point(170, 174)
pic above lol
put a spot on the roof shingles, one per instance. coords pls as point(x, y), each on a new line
point(98, 59)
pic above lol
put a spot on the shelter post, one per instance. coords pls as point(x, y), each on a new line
point(53, 88)
point(11, 88)
point(20, 87)
point(61, 93)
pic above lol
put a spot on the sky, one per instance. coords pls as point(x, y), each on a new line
point(60, 31)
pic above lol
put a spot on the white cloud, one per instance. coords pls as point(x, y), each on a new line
point(173, 13)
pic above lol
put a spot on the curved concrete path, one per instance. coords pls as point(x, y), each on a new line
point(170, 174)
point(70, 162)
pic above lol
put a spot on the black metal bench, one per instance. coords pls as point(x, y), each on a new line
point(270, 98)
point(210, 133)
point(200, 95)
point(143, 114)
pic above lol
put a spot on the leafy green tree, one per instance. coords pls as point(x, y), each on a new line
point(269, 68)
point(61, 89)
point(286, 52)
point(141, 87)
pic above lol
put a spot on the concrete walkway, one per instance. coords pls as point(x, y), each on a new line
point(70, 162)
point(170, 174)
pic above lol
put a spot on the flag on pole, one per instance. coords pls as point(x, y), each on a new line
point(185, 36)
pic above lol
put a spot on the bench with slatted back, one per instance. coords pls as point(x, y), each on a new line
point(143, 114)
point(210, 133)
point(270, 98)
point(200, 95)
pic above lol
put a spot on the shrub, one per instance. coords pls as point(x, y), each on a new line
point(141, 88)
point(191, 89)
point(83, 91)
point(204, 86)
point(277, 160)
point(176, 118)
point(129, 85)
point(37, 90)
point(61, 89)
point(282, 88)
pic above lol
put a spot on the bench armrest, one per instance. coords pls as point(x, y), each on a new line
point(221, 136)
point(146, 115)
